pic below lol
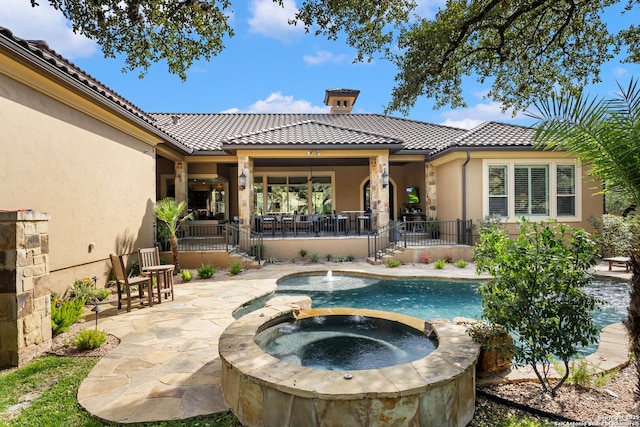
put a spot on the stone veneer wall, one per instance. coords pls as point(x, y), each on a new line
point(25, 306)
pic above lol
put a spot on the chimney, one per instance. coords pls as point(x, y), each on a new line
point(341, 100)
point(175, 119)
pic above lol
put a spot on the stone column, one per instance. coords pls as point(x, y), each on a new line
point(245, 197)
point(430, 191)
point(181, 181)
point(25, 307)
point(379, 194)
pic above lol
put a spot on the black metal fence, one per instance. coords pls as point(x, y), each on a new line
point(419, 233)
point(314, 225)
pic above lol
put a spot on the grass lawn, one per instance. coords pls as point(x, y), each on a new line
point(51, 384)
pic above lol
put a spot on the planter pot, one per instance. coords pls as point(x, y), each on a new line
point(494, 358)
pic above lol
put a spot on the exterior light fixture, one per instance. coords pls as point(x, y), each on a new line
point(96, 309)
point(243, 181)
point(385, 178)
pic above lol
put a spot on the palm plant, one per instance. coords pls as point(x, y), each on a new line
point(605, 134)
point(171, 213)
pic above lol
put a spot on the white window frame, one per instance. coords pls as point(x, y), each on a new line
point(552, 191)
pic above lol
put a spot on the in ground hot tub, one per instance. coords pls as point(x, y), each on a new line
point(437, 389)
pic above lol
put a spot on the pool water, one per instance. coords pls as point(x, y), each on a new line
point(426, 298)
point(343, 342)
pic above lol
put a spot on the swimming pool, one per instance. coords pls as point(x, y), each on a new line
point(423, 298)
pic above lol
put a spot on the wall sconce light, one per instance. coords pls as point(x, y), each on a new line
point(385, 178)
point(243, 181)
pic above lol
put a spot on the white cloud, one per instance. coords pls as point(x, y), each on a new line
point(271, 20)
point(44, 23)
point(322, 56)
point(468, 118)
point(620, 72)
point(278, 103)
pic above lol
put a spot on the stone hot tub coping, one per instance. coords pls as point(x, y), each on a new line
point(264, 390)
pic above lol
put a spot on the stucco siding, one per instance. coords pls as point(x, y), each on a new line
point(97, 183)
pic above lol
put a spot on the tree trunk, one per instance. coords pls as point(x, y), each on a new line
point(633, 317)
point(174, 252)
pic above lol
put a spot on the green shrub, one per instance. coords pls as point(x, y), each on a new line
point(303, 253)
point(613, 235)
point(351, 258)
point(271, 260)
point(257, 251)
point(461, 263)
point(440, 264)
point(85, 290)
point(234, 268)
point(64, 314)
point(328, 257)
point(548, 259)
point(206, 271)
point(135, 268)
point(314, 258)
point(88, 339)
point(393, 262)
point(186, 275)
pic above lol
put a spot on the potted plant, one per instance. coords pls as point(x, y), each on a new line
point(496, 347)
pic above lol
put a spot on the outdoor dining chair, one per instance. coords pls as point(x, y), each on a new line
point(150, 266)
point(125, 283)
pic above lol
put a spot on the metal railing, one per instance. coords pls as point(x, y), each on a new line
point(245, 242)
point(202, 237)
point(228, 237)
point(387, 239)
point(435, 233)
point(313, 225)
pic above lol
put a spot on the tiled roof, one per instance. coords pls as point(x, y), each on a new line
point(494, 134)
point(215, 132)
point(210, 132)
point(311, 132)
point(39, 53)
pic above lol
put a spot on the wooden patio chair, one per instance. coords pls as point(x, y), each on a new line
point(150, 257)
point(124, 284)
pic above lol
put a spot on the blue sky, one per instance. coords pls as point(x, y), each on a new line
point(267, 67)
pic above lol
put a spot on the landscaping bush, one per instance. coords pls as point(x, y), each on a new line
point(85, 290)
point(234, 268)
point(536, 292)
point(393, 262)
point(186, 275)
point(88, 339)
point(314, 258)
point(461, 263)
point(258, 251)
point(613, 235)
point(426, 258)
point(206, 271)
point(440, 264)
point(64, 314)
point(302, 253)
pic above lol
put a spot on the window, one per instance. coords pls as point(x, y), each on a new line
point(544, 189)
point(566, 190)
point(498, 195)
point(289, 194)
point(531, 188)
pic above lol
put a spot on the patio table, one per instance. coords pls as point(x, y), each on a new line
point(166, 272)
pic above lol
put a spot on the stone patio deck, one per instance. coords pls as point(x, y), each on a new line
point(167, 365)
